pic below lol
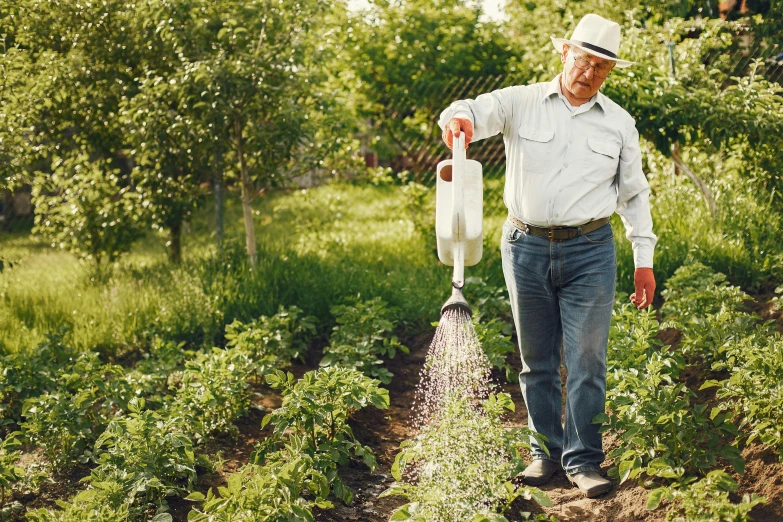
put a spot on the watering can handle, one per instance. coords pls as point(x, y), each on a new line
point(458, 226)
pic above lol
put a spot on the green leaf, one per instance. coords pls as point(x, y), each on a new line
point(540, 497)
point(401, 513)
point(655, 497)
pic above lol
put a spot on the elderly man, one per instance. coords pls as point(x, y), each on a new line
point(572, 160)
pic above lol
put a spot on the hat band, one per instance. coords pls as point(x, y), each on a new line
point(595, 48)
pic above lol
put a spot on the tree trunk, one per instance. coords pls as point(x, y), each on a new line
point(217, 184)
point(247, 193)
point(175, 251)
point(8, 211)
point(705, 190)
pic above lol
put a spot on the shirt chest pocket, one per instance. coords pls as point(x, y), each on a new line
point(536, 144)
point(600, 163)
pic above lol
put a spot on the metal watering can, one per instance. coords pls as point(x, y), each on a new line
point(459, 218)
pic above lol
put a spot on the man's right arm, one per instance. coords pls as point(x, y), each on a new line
point(487, 115)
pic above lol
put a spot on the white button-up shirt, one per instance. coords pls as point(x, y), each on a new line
point(566, 165)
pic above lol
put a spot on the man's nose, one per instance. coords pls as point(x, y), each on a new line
point(589, 72)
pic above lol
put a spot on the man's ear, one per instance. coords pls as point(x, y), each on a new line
point(564, 54)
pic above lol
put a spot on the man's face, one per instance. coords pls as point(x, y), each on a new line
point(582, 84)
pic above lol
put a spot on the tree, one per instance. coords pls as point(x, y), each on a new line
point(83, 207)
point(257, 81)
point(15, 99)
point(406, 53)
point(85, 60)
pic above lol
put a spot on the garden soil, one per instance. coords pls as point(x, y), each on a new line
point(384, 430)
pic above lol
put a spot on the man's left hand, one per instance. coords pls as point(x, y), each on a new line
point(644, 281)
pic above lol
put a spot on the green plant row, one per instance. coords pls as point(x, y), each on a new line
point(716, 326)
point(146, 455)
point(144, 450)
point(459, 467)
point(296, 468)
point(665, 436)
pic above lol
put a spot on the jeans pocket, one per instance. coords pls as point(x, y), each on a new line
point(511, 234)
point(600, 236)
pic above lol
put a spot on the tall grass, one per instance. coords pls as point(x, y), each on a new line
point(316, 248)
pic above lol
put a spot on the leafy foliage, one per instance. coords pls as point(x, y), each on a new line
point(214, 391)
point(705, 501)
point(497, 346)
point(459, 467)
point(85, 207)
point(273, 342)
point(10, 473)
point(280, 490)
point(364, 334)
point(66, 421)
point(317, 409)
point(296, 468)
point(148, 453)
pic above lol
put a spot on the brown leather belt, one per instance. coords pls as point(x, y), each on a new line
point(558, 233)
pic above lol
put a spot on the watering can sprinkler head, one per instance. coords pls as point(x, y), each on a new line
point(456, 301)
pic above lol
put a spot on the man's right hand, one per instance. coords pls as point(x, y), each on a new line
point(454, 127)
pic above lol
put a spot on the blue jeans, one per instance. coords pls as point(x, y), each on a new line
point(562, 294)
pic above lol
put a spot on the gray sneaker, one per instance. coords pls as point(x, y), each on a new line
point(590, 483)
point(539, 472)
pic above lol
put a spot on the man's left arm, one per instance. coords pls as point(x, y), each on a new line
point(633, 205)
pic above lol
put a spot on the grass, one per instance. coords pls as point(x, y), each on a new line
point(316, 247)
point(320, 246)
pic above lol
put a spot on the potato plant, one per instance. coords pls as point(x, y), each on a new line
point(663, 434)
point(317, 408)
point(150, 453)
point(363, 336)
point(282, 489)
point(66, 421)
point(10, 473)
point(497, 346)
point(705, 501)
point(711, 314)
point(753, 392)
point(28, 374)
point(707, 310)
point(214, 391)
point(296, 468)
point(273, 342)
point(459, 468)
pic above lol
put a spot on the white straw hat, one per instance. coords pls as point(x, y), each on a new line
point(597, 36)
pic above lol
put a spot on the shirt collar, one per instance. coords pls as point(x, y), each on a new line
point(554, 88)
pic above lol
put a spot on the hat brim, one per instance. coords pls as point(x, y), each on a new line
point(558, 43)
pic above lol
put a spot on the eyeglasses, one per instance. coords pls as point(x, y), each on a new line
point(601, 70)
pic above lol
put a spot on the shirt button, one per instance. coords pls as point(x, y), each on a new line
point(557, 215)
point(566, 165)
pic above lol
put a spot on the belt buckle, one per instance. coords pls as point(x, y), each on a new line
point(550, 233)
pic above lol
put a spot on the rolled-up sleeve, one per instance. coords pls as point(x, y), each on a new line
point(633, 201)
point(490, 113)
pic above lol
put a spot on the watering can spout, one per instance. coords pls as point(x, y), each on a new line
point(456, 301)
